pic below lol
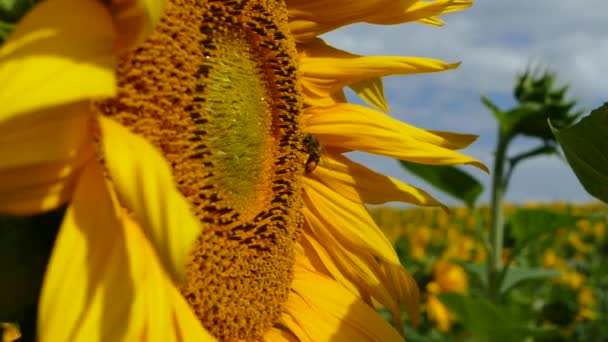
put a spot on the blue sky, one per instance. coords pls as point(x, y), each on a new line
point(494, 40)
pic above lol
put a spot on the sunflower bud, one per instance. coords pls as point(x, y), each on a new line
point(539, 99)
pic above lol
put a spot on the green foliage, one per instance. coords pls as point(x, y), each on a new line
point(448, 179)
point(25, 246)
point(486, 322)
point(527, 225)
point(515, 275)
point(10, 12)
point(586, 148)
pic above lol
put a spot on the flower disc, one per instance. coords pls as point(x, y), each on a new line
point(214, 88)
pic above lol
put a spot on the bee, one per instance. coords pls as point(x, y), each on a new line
point(313, 148)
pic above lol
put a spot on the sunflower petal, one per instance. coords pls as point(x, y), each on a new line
point(372, 92)
point(326, 312)
point(144, 183)
point(319, 259)
point(135, 19)
point(349, 223)
point(51, 60)
point(324, 204)
point(362, 185)
point(419, 11)
point(356, 127)
point(104, 281)
point(428, 12)
point(325, 70)
point(38, 166)
point(311, 18)
point(350, 270)
point(278, 335)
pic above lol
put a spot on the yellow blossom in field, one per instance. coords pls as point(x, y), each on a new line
point(575, 240)
point(447, 277)
point(420, 239)
point(439, 314)
point(443, 220)
point(586, 300)
point(450, 277)
point(460, 246)
point(572, 278)
point(584, 226)
point(549, 258)
point(599, 230)
point(461, 212)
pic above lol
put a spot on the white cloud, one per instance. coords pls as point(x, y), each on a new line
point(494, 40)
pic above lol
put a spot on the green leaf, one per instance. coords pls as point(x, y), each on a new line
point(477, 271)
point(491, 106)
point(485, 321)
point(586, 149)
point(448, 179)
point(529, 224)
point(25, 247)
point(5, 30)
point(516, 275)
point(372, 92)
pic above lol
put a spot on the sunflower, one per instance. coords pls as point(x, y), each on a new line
point(199, 206)
point(447, 277)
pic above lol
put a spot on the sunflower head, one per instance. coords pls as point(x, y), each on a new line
point(215, 89)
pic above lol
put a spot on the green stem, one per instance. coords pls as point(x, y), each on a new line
point(497, 218)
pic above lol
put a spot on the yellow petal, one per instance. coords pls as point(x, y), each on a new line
point(279, 335)
point(145, 185)
point(325, 70)
point(60, 52)
point(372, 92)
point(41, 156)
point(356, 127)
point(104, 281)
point(321, 310)
point(428, 11)
point(135, 19)
point(357, 273)
point(332, 216)
point(311, 18)
point(321, 118)
point(362, 185)
point(339, 215)
point(418, 11)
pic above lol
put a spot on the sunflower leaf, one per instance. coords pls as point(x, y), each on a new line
point(586, 149)
point(485, 321)
point(516, 275)
point(492, 107)
point(448, 179)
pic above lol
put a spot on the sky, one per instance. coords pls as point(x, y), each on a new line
point(494, 40)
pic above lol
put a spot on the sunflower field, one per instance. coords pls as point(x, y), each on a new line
point(555, 289)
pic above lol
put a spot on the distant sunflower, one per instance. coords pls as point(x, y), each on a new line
point(239, 97)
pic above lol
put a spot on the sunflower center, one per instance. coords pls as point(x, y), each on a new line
point(233, 98)
point(214, 88)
